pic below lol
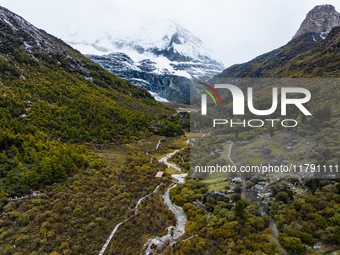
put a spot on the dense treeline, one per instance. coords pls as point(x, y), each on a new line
point(188, 192)
point(308, 218)
point(78, 215)
point(28, 161)
point(182, 158)
point(230, 229)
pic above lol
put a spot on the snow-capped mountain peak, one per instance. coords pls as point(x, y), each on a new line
point(164, 34)
point(154, 36)
point(159, 55)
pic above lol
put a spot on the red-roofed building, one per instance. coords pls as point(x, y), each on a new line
point(159, 174)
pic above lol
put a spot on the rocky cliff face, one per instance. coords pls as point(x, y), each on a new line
point(162, 84)
point(321, 19)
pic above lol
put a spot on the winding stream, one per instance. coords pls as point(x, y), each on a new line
point(173, 232)
point(165, 161)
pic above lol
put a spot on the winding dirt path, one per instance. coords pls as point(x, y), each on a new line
point(159, 142)
point(244, 184)
point(119, 224)
point(229, 153)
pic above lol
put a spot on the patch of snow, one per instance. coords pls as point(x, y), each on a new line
point(315, 22)
point(323, 35)
point(158, 98)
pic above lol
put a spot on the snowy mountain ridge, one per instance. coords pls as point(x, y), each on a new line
point(159, 56)
point(152, 36)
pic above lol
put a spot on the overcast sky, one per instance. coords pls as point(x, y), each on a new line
point(235, 31)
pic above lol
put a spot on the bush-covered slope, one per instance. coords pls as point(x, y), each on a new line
point(55, 103)
point(51, 96)
point(77, 216)
point(47, 84)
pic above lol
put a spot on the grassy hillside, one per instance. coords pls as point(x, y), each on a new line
point(55, 105)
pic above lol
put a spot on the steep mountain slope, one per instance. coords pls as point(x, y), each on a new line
point(161, 56)
point(288, 60)
point(57, 197)
point(321, 61)
point(50, 92)
point(264, 65)
point(45, 74)
point(145, 74)
point(312, 60)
